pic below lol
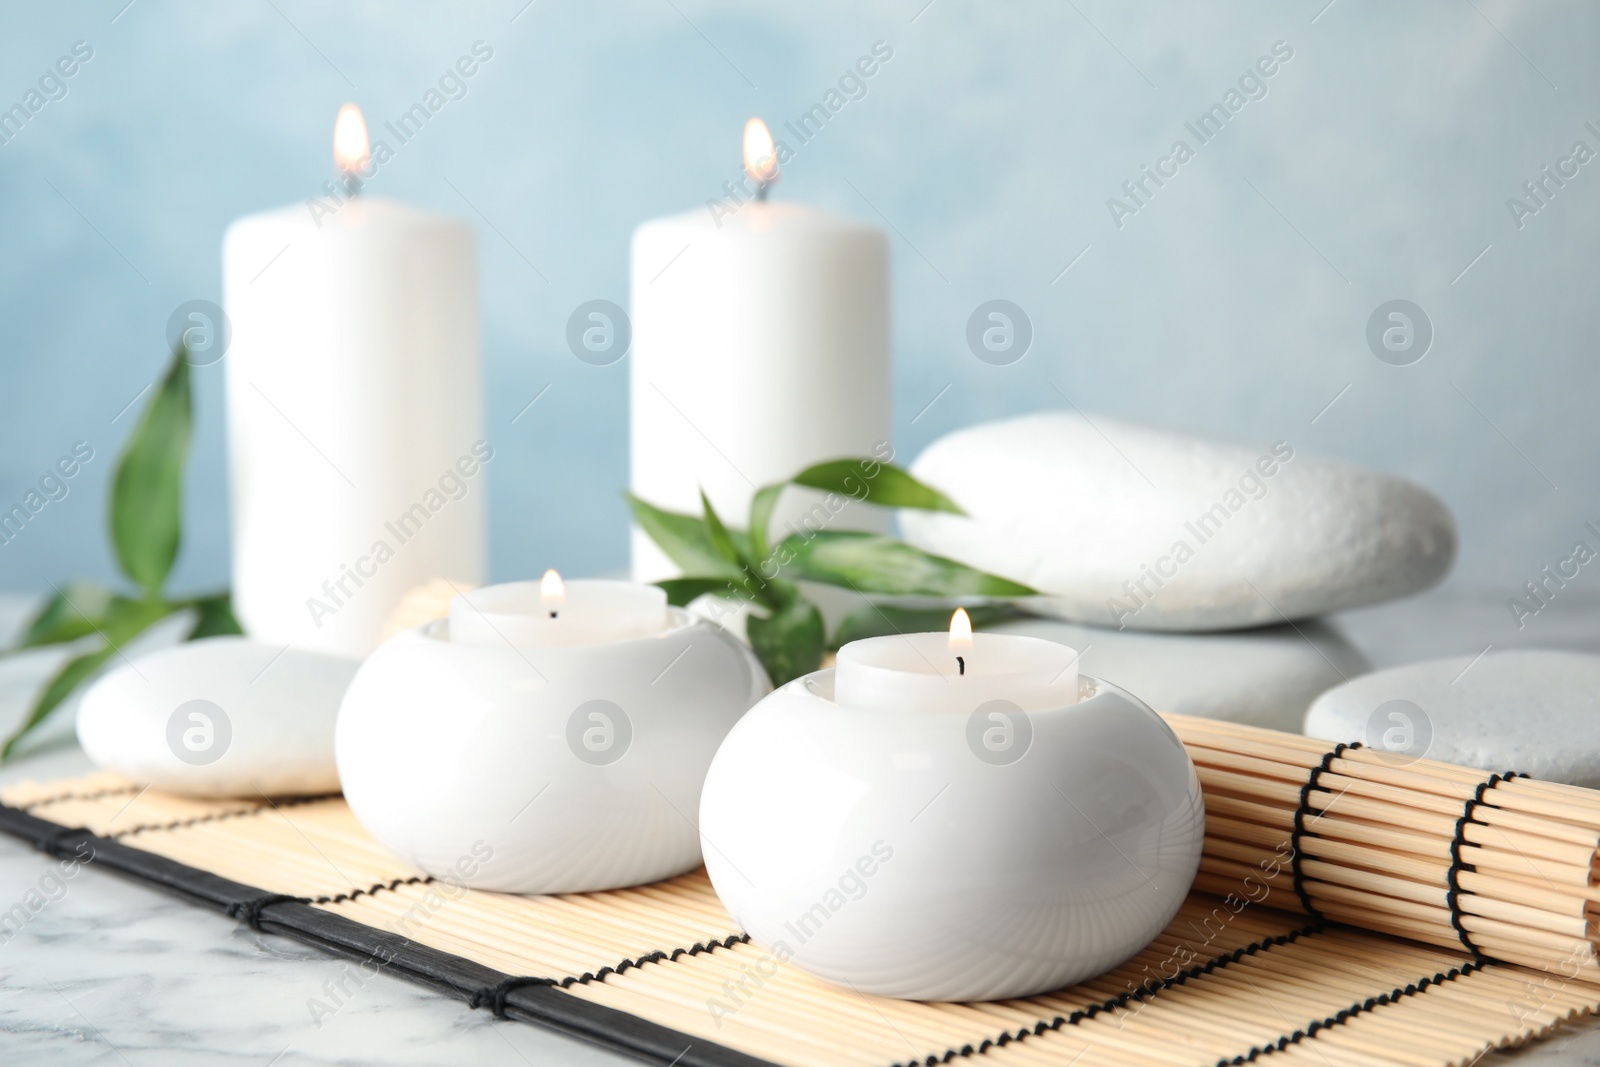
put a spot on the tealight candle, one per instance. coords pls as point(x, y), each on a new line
point(556, 734)
point(952, 816)
point(550, 612)
point(958, 671)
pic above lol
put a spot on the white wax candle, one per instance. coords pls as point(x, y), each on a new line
point(551, 614)
point(760, 347)
point(921, 672)
point(354, 417)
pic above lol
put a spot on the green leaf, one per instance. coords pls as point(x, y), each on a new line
point(147, 490)
point(881, 620)
point(874, 563)
point(214, 618)
point(875, 483)
point(721, 540)
point(82, 609)
point(126, 619)
point(72, 612)
point(761, 507)
point(682, 537)
point(789, 642)
point(680, 591)
point(72, 674)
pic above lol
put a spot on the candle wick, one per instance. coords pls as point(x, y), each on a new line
point(961, 666)
point(552, 614)
point(352, 183)
point(761, 191)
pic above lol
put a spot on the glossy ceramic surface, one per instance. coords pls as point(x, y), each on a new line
point(945, 856)
point(542, 770)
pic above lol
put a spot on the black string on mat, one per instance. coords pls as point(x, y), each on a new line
point(494, 997)
point(249, 911)
point(1312, 1028)
point(1452, 878)
point(1301, 810)
point(1119, 1002)
point(98, 794)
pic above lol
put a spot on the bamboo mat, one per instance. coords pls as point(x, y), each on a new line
point(662, 972)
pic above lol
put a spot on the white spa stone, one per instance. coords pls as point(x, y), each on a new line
point(222, 716)
point(1220, 534)
point(1264, 677)
point(1534, 711)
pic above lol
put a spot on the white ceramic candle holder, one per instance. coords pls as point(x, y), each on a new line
point(945, 855)
point(559, 769)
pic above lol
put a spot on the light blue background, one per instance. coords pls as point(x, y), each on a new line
point(1377, 167)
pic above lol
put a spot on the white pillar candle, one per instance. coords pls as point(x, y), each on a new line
point(552, 613)
point(354, 415)
point(955, 672)
point(760, 347)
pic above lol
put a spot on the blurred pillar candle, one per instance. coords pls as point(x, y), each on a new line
point(760, 346)
point(354, 411)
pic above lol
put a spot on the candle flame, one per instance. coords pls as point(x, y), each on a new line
point(351, 147)
point(960, 630)
point(551, 587)
point(760, 153)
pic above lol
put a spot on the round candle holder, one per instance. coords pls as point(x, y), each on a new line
point(561, 769)
point(941, 855)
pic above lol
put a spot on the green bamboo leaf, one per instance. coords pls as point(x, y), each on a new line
point(882, 620)
point(681, 591)
point(761, 507)
point(873, 563)
point(789, 642)
point(737, 551)
point(71, 612)
point(721, 540)
point(682, 537)
point(147, 489)
point(214, 617)
point(72, 674)
point(125, 620)
point(877, 483)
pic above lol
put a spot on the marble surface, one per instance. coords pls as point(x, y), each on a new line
point(114, 973)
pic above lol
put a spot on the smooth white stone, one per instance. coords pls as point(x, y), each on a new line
point(1534, 711)
point(274, 733)
point(1263, 677)
point(1083, 511)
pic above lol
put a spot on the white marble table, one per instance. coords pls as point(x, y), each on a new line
point(114, 973)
